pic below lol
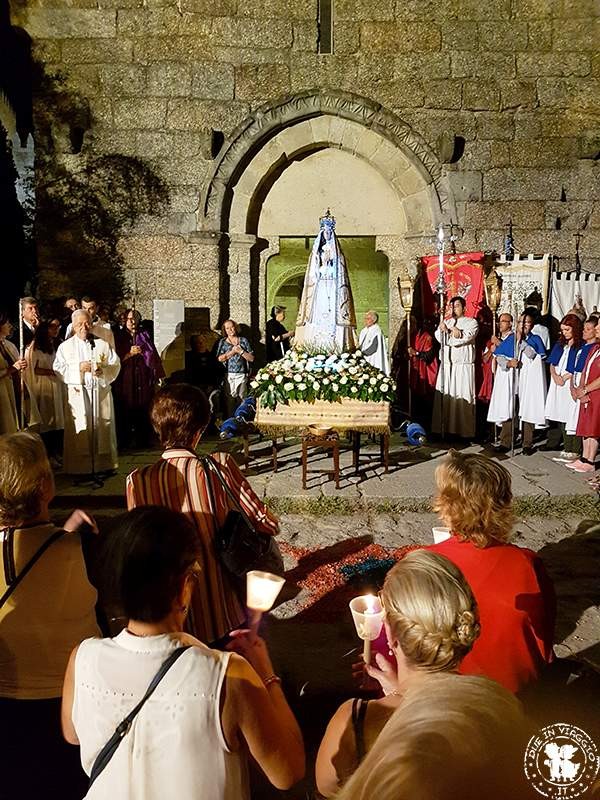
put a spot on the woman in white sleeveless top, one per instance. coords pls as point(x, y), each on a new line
point(189, 739)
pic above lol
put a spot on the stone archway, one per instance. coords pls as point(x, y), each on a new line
point(277, 136)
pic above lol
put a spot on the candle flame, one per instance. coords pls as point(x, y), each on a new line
point(370, 604)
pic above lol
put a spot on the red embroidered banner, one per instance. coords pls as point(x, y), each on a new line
point(463, 274)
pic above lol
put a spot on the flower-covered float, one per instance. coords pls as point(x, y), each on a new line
point(341, 391)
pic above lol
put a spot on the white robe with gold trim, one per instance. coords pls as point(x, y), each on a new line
point(80, 419)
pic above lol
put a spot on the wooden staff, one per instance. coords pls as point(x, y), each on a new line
point(21, 375)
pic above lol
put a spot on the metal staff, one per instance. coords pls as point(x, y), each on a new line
point(97, 481)
point(441, 291)
point(516, 357)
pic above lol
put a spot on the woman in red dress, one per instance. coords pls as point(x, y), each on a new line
point(588, 394)
point(515, 596)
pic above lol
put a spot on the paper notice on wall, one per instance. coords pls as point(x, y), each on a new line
point(169, 316)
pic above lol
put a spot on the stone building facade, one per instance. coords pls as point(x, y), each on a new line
point(470, 110)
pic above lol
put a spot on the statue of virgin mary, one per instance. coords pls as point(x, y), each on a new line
point(326, 318)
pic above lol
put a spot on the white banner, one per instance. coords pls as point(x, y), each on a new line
point(522, 276)
point(569, 291)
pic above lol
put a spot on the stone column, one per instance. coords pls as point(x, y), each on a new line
point(206, 248)
point(240, 246)
point(402, 253)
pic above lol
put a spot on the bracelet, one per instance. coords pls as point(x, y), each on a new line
point(271, 679)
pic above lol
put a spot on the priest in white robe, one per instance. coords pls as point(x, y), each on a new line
point(503, 400)
point(455, 395)
point(371, 343)
point(88, 366)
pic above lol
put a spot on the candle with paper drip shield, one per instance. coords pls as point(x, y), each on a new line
point(367, 614)
point(262, 589)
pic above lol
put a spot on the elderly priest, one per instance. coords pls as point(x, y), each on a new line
point(88, 365)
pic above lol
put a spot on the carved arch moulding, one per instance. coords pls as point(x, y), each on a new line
point(269, 120)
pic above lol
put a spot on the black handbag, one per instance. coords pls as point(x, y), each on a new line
point(239, 545)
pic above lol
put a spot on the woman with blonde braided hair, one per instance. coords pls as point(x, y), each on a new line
point(431, 623)
point(514, 594)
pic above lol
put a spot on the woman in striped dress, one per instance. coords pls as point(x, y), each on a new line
point(179, 414)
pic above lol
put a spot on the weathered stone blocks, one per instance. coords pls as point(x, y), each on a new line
point(249, 32)
point(253, 82)
point(137, 114)
point(96, 51)
point(412, 37)
point(364, 10)
point(169, 80)
point(278, 9)
point(417, 66)
point(60, 23)
point(481, 95)
point(189, 115)
point(168, 253)
point(524, 214)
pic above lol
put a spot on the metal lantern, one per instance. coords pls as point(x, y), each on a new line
point(492, 290)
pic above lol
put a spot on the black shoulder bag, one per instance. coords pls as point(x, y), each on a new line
point(13, 580)
point(239, 545)
point(110, 748)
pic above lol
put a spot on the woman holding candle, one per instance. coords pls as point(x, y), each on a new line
point(431, 622)
point(514, 594)
point(210, 708)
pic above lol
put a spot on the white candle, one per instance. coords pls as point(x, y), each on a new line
point(367, 614)
point(262, 589)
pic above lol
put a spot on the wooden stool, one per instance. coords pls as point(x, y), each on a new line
point(331, 441)
point(384, 450)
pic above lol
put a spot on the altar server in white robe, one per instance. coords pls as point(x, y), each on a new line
point(455, 386)
point(371, 343)
point(500, 411)
point(560, 404)
point(532, 383)
point(88, 366)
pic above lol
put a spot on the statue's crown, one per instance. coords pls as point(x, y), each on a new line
point(327, 221)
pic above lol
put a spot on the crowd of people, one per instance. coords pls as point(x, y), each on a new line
point(516, 383)
point(90, 377)
point(469, 624)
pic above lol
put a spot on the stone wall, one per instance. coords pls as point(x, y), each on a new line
point(518, 80)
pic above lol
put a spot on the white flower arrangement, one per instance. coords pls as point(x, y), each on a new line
point(312, 376)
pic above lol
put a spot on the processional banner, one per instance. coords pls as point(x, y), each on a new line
point(463, 275)
point(570, 290)
point(521, 277)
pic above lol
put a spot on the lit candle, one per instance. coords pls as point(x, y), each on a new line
point(367, 613)
point(262, 589)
